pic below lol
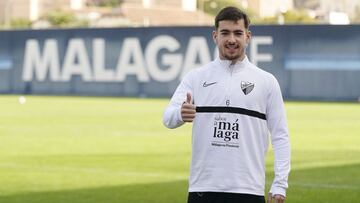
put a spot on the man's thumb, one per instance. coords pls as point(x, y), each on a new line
point(188, 98)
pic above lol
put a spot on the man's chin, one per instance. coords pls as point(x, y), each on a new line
point(232, 58)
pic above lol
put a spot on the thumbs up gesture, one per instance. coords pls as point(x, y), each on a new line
point(188, 110)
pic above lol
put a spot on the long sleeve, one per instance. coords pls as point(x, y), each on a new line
point(277, 125)
point(172, 114)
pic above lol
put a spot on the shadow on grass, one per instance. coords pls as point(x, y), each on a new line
point(325, 185)
point(321, 185)
point(168, 192)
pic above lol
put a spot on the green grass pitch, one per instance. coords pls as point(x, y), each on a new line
point(81, 149)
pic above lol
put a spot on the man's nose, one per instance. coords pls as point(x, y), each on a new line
point(231, 38)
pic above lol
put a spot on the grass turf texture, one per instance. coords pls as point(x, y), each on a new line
point(79, 149)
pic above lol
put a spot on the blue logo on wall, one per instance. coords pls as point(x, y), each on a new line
point(5, 63)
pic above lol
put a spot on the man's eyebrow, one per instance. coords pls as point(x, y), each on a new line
point(226, 30)
point(238, 30)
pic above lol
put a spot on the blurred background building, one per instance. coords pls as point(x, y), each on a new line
point(113, 13)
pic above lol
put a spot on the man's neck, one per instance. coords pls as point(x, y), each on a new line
point(241, 58)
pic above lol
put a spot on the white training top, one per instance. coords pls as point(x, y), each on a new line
point(236, 107)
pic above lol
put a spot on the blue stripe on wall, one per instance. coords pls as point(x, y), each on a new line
point(5, 64)
point(322, 63)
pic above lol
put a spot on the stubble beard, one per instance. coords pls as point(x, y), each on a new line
point(235, 56)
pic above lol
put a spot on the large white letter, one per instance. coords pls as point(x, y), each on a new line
point(254, 55)
point(171, 60)
point(197, 49)
point(100, 72)
point(131, 49)
point(34, 62)
point(76, 50)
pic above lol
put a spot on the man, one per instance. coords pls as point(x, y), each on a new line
point(233, 105)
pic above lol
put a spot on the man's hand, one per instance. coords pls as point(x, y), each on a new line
point(276, 198)
point(188, 110)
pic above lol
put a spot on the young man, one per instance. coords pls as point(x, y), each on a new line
point(233, 105)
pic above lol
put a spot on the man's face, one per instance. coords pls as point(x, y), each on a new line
point(232, 37)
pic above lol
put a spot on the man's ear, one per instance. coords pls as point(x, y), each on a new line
point(214, 35)
point(248, 37)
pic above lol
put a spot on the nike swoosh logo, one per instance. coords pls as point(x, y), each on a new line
point(208, 84)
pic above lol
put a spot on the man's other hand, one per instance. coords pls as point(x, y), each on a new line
point(275, 198)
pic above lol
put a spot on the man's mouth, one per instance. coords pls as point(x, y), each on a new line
point(232, 46)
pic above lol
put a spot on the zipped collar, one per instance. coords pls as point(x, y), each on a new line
point(238, 66)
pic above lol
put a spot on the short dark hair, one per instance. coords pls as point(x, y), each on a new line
point(233, 14)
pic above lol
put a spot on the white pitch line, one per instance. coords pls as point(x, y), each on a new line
point(324, 185)
point(92, 170)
